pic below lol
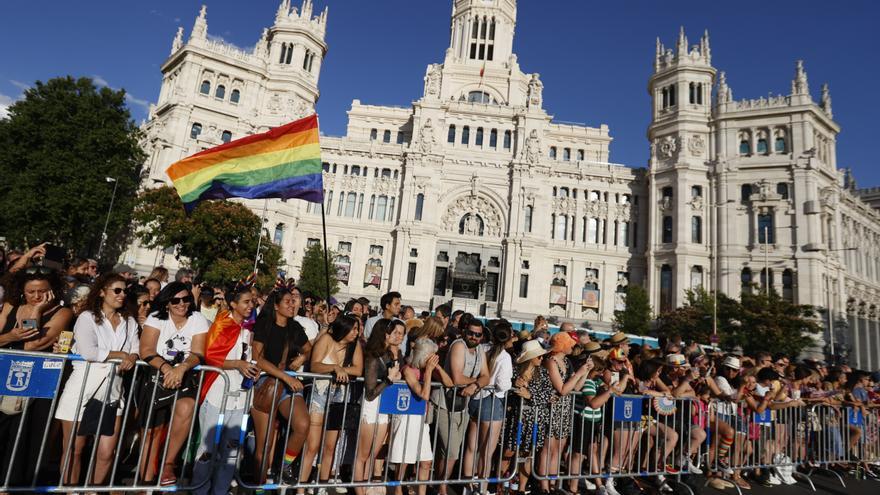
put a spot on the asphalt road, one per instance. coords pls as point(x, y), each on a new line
point(824, 483)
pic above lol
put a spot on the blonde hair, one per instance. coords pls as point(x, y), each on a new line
point(422, 349)
point(432, 329)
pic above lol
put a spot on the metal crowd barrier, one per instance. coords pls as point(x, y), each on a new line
point(410, 436)
point(628, 436)
point(35, 383)
point(841, 436)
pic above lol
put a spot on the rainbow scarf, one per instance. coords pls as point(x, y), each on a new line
point(222, 337)
point(284, 162)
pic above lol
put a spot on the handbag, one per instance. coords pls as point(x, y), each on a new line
point(11, 405)
point(269, 391)
point(456, 402)
point(97, 411)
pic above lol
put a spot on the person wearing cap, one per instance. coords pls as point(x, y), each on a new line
point(530, 380)
point(589, 433)
point(564, 381)
point(126, 271)
point(725, 421)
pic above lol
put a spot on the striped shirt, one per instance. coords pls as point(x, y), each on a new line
point(590, 389)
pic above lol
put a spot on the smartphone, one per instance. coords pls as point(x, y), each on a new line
point(29, 324)
point(54, 257)
point(64, 341)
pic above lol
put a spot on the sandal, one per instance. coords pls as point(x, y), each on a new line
point(168, 477)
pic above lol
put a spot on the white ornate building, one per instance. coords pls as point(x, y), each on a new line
point(475, 194)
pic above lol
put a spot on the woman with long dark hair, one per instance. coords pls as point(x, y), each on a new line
point(280, 345)
point(173, 342)
point(33, 315)
point(103, 331)
point(381, 367)
point(335, 353)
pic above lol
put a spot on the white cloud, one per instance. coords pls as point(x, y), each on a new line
point(20, 85)
point(100, 81)
point(129, 98)
point(5, 103)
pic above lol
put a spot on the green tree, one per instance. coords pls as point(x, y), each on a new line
point(57, 148)
point(635, 319)
point(219, 238)
point(693, 321)
point(312, 275)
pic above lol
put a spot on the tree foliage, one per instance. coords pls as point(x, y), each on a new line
point(57, 148)
point(219, 238)
point(312, 275)
point(758, 322)
point(636, 318)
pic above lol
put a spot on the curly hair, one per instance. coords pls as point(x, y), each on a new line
point(95, 301)
point(17, 280)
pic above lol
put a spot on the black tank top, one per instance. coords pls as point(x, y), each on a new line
point(12, 319)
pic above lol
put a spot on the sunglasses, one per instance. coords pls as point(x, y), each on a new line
point(145, 304)
point(117, 290)
point(474, 334)
point(43, 270)
point(178, 300)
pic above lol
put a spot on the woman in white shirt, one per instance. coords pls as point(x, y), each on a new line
point(103, 331)
point(486, 409)
point(173, 342)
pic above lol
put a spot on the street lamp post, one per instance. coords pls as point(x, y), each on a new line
point(109, 210)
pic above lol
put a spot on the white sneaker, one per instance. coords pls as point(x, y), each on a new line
point(589, 485)
point(691, 467)
point(774, 479)
point(609, 487)
point(601, 491)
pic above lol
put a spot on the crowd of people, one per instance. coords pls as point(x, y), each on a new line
point(307, 379)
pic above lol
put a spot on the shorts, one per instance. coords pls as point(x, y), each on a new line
point(97, 377)
point(489, 408)
point(451, 428)
point(285, 392)
point(370, 413)
point(161, 415)
point(585, 433)
point(322, 395)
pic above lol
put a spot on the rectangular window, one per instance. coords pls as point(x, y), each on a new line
point(465, 135)
point(766, 235)
point(411, 275)
point(580, 155)
point(399, 137)
point(697, 230)
point(667, 230)
point(341, 202)
point(493, 138)
point(344, 247)
point(524, 285)
point(386, 137)
point(492, 287)
point(313, 242)
point(381, 208)
point(350, 204)
point(624, 234)
point(479, 141)
point(507, 139)
point(376, 250)
point(440, 280)
point(566, 154)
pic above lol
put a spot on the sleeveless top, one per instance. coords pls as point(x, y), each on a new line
point(12, 320)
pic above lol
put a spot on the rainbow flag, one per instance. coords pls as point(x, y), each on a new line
point(282, 163)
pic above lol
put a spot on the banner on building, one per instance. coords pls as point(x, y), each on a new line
point(590, 298)
point(559, 295)
point(619, 301)
point(373, 275)
point(343, 271)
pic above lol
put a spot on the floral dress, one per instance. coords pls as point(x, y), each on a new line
point(538, 387)
point(546, 413)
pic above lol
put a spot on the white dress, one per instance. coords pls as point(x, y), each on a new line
point(410, 438)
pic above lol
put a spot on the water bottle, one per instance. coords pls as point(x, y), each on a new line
point(248, 382)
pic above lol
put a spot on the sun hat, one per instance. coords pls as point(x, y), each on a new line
point(592, 347)
point(677, 360)
point(618, 338)
point(732, 362)
point(561, 342)
point(530, 350)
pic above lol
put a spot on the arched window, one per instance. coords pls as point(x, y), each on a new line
point(326, 167)
point(386, 173)
point(350, 204)
point(420, 205)
point(195, 130)
point(561, 231)
point(372, 207)
point(745, 143)
point(220, 93)
point(205, 89)
point(479, 141)
point(400, 137)
point(493, 139)
point(696, 192)
point(667, 230)
point(788, 285)
point(527, 226)
point(580, 155)
point(471, 224)
point(697, 230)
point(374, 134)
point(666, 192)
point(226, 136)
point(235, 96)
point(279, 234)
point(566, 154)
point(623, 234)
point(745, 192)
point(381, 208)
point(553, 152)
point(665, 288)
point(450, 136)
point(563, 192)
point(692, 93)
point(283, 53)
point(767, 278)
point(779, 145)
point(745, 279)
point(593, 231)
point(355, 170)
point(762, 146)
point(507, 139)
point(479, 97)
point(360, 204)
point(766, 234)
point(665, 98)
point(672, 90)
point(465, 135)
point(386, 137)
point(396, 172)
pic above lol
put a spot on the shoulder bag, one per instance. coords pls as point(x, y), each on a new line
point(97, 411)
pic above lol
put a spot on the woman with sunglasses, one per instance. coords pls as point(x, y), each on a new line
point(137, 301)
point(173, 343)
point(103, 331)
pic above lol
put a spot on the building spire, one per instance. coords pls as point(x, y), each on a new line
point(178, 40)
point(826, 100)
point(799, 85)
point(200, 27)
point(283, 10)
point(705, 51)
point(682, 43)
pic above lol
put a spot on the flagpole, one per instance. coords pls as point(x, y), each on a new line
point(326, 252)
point(260, 234)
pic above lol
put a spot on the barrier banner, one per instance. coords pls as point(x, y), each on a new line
point(855, 416)
point(398, 399)
point(628, 409)
point(26, 376)
point(764, 417)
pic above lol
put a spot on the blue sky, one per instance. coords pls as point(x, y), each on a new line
point(594, 57)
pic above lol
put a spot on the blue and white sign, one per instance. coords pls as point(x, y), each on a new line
point(399, 399)
point(763, 418)
point(26, 376)
point(855, 416)
point(628, 409)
